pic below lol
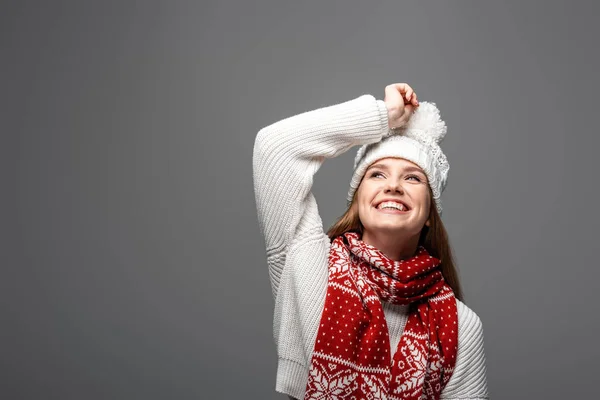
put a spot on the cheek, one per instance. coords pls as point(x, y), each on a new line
point(367, 189)
point(367, 193)
point(363, 201)
point(426, 203)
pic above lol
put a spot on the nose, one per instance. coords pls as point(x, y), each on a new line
point(393, 185)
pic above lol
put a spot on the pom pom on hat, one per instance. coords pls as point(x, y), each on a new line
point(425, 120)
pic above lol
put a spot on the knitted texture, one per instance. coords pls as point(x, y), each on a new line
point(417, 141)
point(286, 156)
point(352, 357)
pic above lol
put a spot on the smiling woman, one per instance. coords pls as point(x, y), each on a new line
point(373, 308)
point(431, 233)
point(393, 231)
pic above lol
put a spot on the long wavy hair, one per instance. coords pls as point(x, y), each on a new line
point(434, 238)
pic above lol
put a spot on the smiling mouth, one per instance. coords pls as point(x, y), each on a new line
point(392, 211)
point(392, 206)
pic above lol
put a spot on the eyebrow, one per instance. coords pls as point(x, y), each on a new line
point(385, 167)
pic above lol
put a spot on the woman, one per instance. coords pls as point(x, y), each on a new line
point(373, 308)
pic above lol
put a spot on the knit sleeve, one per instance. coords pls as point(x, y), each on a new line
point(468, 381)
point(286, 156)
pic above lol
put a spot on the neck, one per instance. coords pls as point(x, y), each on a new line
point(395, 247)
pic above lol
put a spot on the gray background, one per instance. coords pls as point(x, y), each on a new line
point(132, 263)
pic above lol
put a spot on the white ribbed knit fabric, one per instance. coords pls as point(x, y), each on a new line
point(286, 156)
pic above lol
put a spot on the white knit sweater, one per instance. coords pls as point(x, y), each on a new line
point(286, 156)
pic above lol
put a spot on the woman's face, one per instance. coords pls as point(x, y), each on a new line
point(396, 180)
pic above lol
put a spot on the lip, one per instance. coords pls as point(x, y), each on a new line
point(407, 208)
point(391, 211)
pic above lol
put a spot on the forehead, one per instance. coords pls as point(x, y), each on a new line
point(395, 163)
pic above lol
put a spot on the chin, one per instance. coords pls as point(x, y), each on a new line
point(388, 228)
point(393, 228)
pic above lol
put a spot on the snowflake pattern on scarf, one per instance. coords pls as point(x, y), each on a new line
point(351, 357)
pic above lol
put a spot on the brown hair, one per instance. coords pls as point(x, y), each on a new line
point(434, 238)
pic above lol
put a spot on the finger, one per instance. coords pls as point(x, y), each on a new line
point(408, 111)
point(398, 87)
point(407, 91)
point(392, 95)
point(415, 101)
point(403, 87)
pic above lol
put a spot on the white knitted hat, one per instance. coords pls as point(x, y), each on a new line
point(417, 141)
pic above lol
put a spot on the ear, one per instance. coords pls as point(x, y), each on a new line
point(428, 222)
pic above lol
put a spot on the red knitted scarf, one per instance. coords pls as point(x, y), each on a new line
point(351, 358)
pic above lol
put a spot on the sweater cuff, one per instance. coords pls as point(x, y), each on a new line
point(383, 117)
point(291, 378)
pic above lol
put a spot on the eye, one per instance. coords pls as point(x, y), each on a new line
point(375, 173)
point(415, 176)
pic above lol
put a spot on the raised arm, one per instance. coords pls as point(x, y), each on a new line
point(286, 156)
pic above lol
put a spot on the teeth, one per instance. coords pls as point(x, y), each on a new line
point(391, 204)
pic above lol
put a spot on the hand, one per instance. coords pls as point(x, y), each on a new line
point(400, 100)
